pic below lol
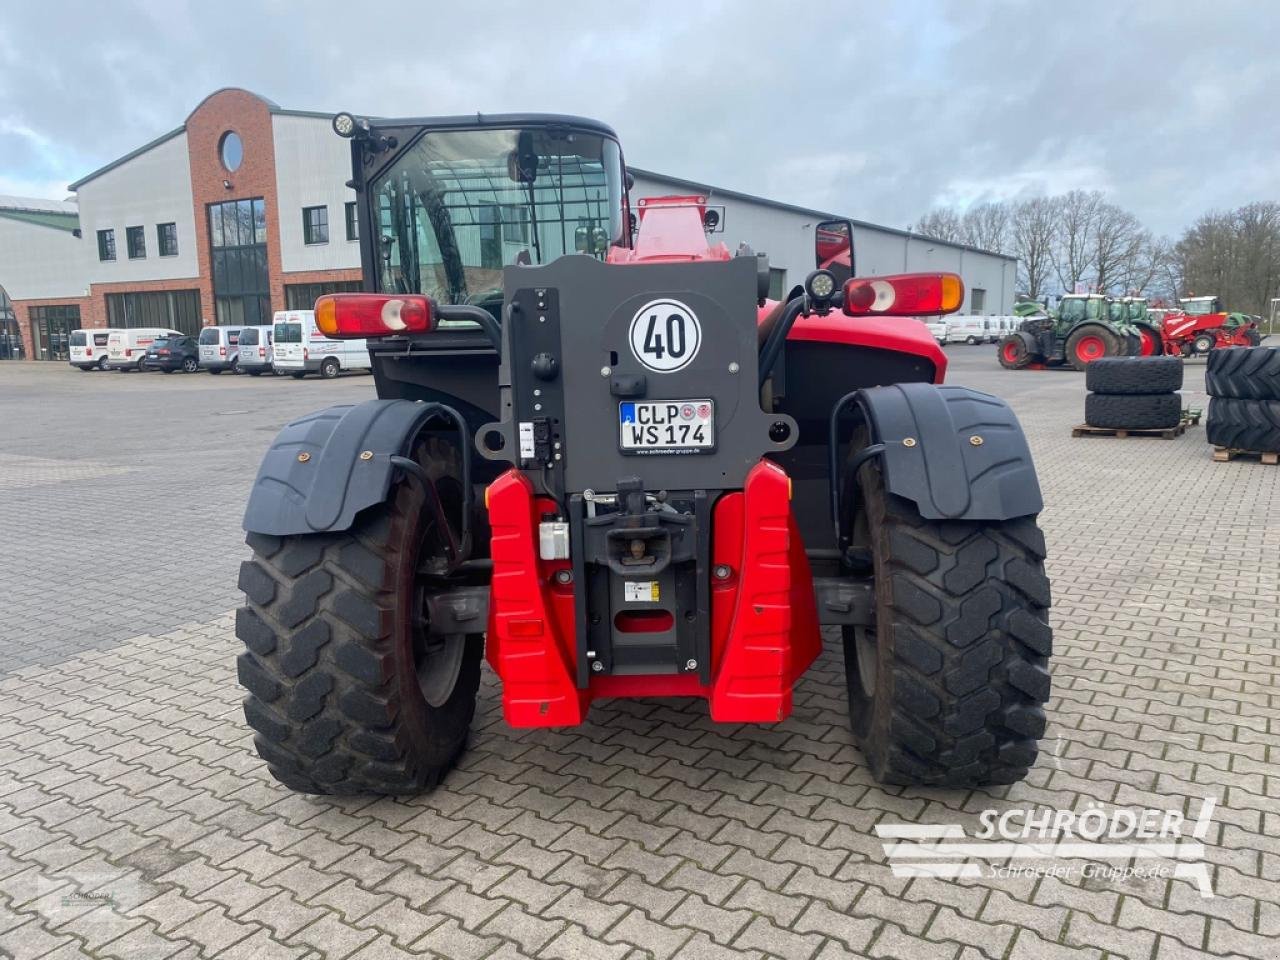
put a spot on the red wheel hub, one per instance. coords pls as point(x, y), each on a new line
point(1090, 348)
point(1148, 343)
point(1011, 352)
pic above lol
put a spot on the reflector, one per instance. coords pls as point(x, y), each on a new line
point(357, 315)
point(904, 295)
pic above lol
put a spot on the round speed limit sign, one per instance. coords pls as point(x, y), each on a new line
point(665, 335)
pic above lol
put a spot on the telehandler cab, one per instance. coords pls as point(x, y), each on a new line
point(606, 462)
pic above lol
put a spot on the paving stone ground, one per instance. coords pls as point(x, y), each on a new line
point(136, 821)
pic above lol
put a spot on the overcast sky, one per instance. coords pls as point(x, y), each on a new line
point(880, 113)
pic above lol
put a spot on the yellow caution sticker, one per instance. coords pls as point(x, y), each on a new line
point(640, 591)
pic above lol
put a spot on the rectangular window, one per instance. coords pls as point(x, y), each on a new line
point(171, 309)
point(106, 244)
point(777, 282)
point(303, 296)
point(353, 228)
point(136, 238)
point(977, 300)
point(167, 239)
point(315, 224)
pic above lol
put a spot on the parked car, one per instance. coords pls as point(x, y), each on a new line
point(220, 349)
point(301, 348)
point(127, 349)
point(967, 329)
point(255, 350)
point(88, 349)
point(174, 352)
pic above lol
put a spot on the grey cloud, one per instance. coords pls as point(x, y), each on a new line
point(878, 109)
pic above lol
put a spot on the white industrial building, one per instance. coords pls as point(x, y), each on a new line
point(244, 209)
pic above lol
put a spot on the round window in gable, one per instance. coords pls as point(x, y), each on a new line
point(231, 150)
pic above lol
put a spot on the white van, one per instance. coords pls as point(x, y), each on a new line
point(255, 350)
point(938, 329)
point(219, 349)
point(300, 348)
point(88, 349)
point(968, 329)
point(127, 349)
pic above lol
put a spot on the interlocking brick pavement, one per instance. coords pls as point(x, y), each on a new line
point(136, 821)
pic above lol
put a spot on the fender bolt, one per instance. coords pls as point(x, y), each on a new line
point(909, 442)
point(304, 457)
point(733, 367)
point(976, 440)
point(721, 571)
point(691, 664)
point(605, 371)
point(564, 576)
point(366, 455)
point(597, 666)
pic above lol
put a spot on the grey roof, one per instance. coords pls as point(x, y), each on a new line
point(710, 191)
point(37, 205)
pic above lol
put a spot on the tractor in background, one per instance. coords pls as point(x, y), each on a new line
point(1082, 329)
point(1202, 325)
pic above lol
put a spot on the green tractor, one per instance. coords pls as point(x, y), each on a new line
point(1082, 329)
point(1132, 311)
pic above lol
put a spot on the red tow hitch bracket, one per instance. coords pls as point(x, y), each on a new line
point(764, 622)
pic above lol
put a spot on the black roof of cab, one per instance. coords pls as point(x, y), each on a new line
point(497, 121)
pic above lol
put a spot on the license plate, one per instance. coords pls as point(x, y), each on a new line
point(666, 426)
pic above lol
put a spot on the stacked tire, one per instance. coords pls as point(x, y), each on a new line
point(1133, 393)
point(1243, 384)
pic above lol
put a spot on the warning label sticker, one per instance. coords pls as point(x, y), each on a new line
point(640, 591)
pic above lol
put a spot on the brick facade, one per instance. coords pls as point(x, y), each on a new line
point(22, 310)
point(250, 117)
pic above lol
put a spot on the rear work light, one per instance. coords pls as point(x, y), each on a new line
point(904, 295)
point(358, 315)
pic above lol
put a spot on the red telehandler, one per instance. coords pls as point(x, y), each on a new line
point(611, 466)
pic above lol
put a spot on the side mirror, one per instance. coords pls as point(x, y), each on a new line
point(833, 248)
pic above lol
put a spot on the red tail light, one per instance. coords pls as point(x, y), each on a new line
point(222, 351)
point(163, 353)
point(904, 295)
point(354, 315)
point(262, 351)
point(128, 353)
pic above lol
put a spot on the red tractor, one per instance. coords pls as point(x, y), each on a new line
point(611, 466)
point(1202, 325)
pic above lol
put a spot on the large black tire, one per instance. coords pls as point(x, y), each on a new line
point(949, 687)
point(1120, 375)
point(1244, 424)
point(1134, 344)
point(1013, 353)
point(1110, 345)
point(333, 653)
point(330, 368)
point(1244, 373)
point(1135, 411)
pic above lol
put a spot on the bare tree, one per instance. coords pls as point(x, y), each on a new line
point(1032, 229)
point(1117, 240)
point(942, 224)
point(1074, 253)
point(986, 226)
point(1145, 269)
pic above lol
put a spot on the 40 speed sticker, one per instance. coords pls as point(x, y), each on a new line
point(665, 335)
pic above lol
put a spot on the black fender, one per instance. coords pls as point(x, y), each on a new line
point(323, 469)
point(1034, 348)
point(956, 453)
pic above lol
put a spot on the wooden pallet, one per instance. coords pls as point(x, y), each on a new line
point(1165, 433)
point(1225, 454)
